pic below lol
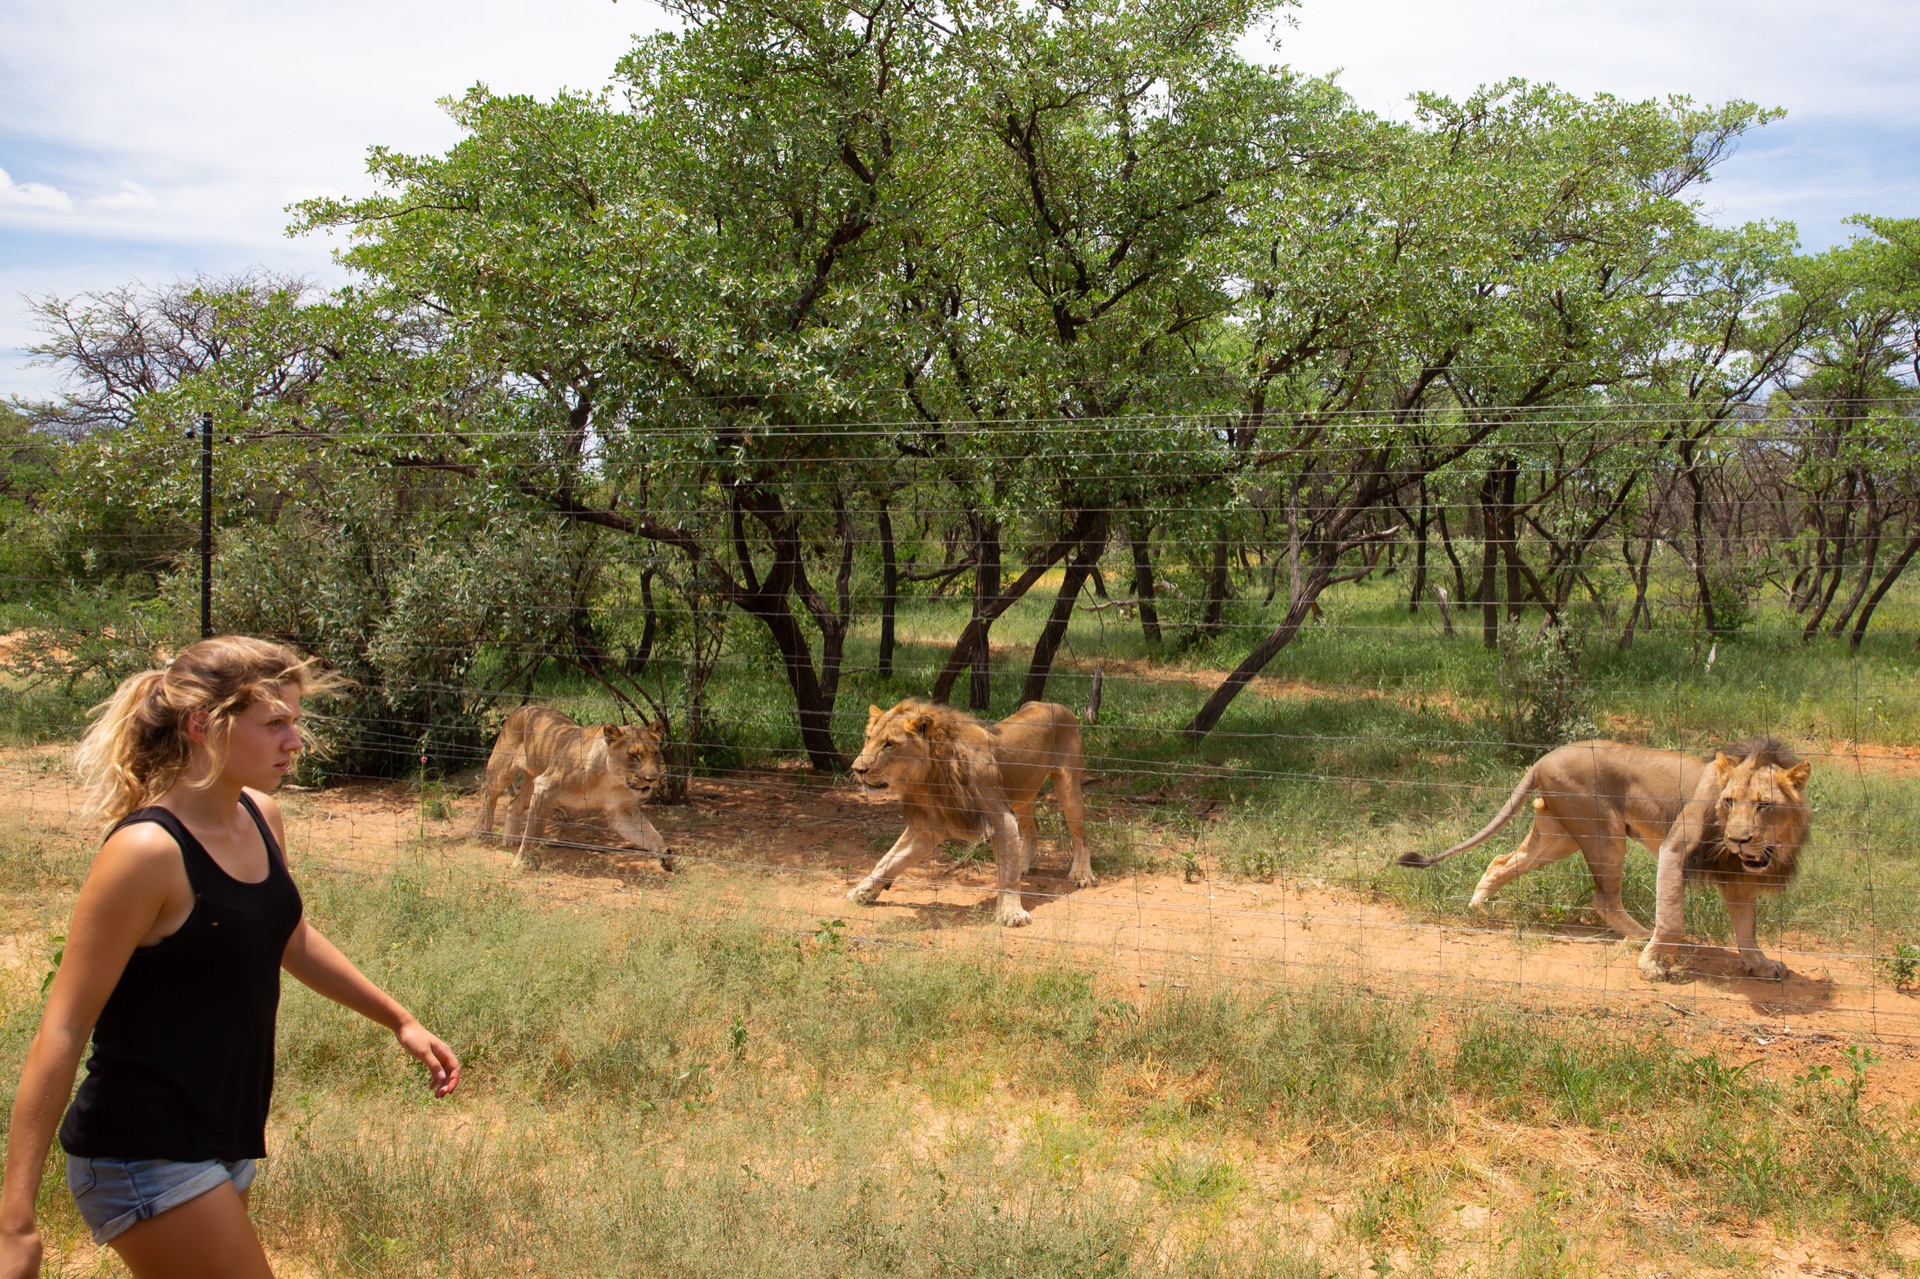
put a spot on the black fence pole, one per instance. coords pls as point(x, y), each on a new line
point(206, 525)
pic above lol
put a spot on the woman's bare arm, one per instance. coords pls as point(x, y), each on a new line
point(318, 964)
point(125, 892)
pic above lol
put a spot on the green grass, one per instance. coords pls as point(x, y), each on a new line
point(1400, 748)
point(668, 1092)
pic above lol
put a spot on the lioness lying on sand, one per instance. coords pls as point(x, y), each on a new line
point(958, 778)
point(1737, 821)
point(607, 769)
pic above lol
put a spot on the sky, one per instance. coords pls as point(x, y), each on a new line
point(144, 142)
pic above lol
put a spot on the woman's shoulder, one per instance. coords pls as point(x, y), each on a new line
point(141, 838)
point(137, 849)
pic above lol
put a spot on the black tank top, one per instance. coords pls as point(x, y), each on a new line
point(182, 1064)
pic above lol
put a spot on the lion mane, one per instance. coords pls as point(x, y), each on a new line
point(958, 778)
point(1713, 861)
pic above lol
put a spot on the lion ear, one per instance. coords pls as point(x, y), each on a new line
point(1724, 766)
point(873, 712)
point(920, 724)
point(1796, 776)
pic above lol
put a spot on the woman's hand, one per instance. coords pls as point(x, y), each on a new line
point(20, 1253)
point(429, 1050)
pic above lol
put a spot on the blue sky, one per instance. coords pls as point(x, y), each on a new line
point(143, 141)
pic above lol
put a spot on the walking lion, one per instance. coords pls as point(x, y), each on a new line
point(958, 778)
point(1737, 821)
point(607, 770)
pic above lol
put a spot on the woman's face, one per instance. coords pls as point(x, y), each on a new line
point(263, 740)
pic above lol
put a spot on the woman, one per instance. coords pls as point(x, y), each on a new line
point(173, 966)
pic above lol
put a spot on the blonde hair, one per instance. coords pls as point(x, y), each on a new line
point(138, 748)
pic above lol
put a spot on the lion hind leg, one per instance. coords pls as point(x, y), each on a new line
point(1545, 844)
point(1073, 806)
point(1607, 862)
point(502, 769)
point(516, 821)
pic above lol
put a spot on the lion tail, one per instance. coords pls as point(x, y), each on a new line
point(1093, 698)
point(1485, 833)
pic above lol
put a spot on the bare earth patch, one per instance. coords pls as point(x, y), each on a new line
point(794, 843)
point(786, 845)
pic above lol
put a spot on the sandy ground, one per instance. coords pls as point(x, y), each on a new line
point(784, 846)
point(788, 845)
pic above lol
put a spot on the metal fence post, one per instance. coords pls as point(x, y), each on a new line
point(206, 525)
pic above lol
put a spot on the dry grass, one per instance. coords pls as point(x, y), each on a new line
point(657, 1090)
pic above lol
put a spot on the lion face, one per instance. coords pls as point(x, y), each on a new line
point(895, 749)
point(1763, 812)
point(634, 753)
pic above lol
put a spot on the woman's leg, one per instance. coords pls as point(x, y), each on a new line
point(208, 1237)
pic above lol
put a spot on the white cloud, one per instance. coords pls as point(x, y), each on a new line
point(1844, 75)
point(195, 123)
point(130, 196)
point(33, 195)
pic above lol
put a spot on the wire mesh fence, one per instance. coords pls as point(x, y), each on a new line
point(1285, 684)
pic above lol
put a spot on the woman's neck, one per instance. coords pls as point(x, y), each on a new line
point(214, 805)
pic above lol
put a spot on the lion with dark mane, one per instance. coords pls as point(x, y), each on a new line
point(959, 778)
point(1737, 821)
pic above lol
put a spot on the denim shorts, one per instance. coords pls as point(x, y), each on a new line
point(115, 1194)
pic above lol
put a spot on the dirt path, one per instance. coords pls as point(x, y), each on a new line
point(787, 846)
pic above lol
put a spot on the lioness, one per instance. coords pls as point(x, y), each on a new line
point(608, 769)
point(958, 778)
point(1737, 820)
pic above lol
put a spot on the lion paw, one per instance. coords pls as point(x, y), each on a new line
point(1655, 966)
point(669, 862)
point(1084, 880)
point(1763, 968)
point(1014, 917)
point(863, 894)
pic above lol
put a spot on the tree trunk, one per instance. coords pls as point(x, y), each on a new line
point(1510, 536)
point(974, 637)
point(1833, 558)
point(889, 590)
point(1699, 510)
point(1298, 607)
point(1419, 553)
point(1217, 585)
point(1078, 570)
point(1886, 583)
point(1446, 544)
point(1640, 575)
point(1874, 520)
point(1139, 535)
point(1489, 563)
point(637, 659)
point(811, 701)
point(986, 587)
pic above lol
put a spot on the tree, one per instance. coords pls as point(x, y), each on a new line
point(1523, 238)
point(1854, 419)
